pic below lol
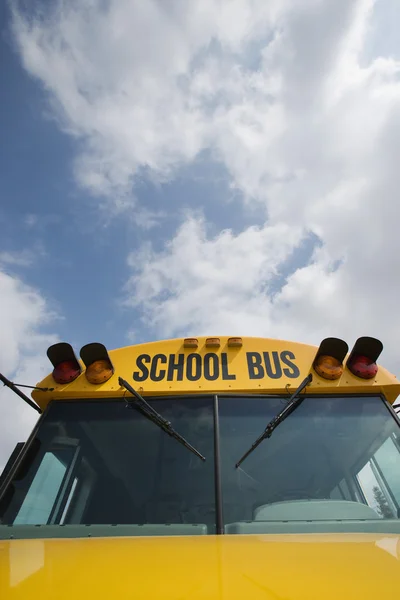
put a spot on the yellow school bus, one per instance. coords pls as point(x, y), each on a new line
point(207, 468)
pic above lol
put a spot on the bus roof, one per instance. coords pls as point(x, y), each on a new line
point(206, 365)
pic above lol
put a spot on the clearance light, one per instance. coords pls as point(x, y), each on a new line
point(190, 343)
point(65, 363)
point(363, 357)
point(98, 364)
point(328, 362)
point(235, 342)
point(213, 342)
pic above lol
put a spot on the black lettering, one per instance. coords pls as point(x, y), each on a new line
point(209, 358)
point(175, 366)
point(224, 362)
point(275, 373)
point(293, 370)
point(254, 365)
point(157, 358)
point(196, 359)
point(143, 358)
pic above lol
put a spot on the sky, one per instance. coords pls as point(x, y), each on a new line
point(213, 167)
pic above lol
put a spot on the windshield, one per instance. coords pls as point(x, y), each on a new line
point(334, 463)
point(342, 449)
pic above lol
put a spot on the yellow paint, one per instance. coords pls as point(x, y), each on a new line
point(124, 361)
point(307, 567)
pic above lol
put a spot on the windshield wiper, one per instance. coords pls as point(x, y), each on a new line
point(140, 404)
point(294, 402)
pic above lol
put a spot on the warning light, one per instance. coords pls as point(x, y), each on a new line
point(328, 367)
point(328, 362)
point(65, 363)
point(363, 357)
point(362, 366)
point(98, 364)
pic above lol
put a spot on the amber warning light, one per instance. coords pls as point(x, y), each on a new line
point(97, 362)
point(328, 362)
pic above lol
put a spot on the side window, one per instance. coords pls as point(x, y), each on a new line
point(379, 480)
point(46, 491)
point(373, 493)
point(387, 461)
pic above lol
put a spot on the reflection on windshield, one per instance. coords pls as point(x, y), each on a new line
point(335, 460)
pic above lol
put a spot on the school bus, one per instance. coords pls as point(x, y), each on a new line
point(207, 468)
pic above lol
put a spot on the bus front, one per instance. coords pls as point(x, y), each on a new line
point(207, 468)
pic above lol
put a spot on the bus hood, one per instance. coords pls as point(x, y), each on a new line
point(272, 567)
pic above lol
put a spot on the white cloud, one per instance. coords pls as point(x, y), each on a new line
point(297, 104)
point(206, 286)
point(19, 259)
point(22, 258)
point(120, 77)
point(23, 315)
point(229, 285)
point(320, 155)
point(147, 219)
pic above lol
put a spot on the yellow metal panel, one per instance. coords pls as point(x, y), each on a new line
point(258, 366)
point(299, 567)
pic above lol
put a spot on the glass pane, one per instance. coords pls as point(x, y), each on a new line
point(129, 471)
point(314, 455)
point(336, 493)
point(39, 501)
point(388, 461)
point(341, 491)
point(344, 488)
point(373, 492)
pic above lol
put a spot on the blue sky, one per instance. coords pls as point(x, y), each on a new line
point(78, 251)
point(175, 168)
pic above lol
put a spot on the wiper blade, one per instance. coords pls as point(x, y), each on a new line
point(140, 404)
point(294, 402)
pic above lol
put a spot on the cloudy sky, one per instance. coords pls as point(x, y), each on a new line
point(175, 168)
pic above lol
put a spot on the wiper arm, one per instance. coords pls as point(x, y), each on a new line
point(140, 404)
point(294, 402)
